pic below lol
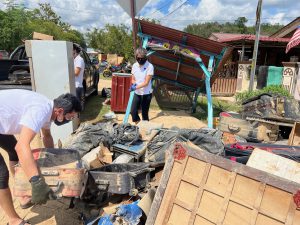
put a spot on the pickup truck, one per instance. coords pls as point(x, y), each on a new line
point(15, 72)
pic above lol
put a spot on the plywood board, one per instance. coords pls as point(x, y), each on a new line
point(275, 164)
point(198, 188)
point(40, 36)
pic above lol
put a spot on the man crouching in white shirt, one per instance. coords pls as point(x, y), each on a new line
point(25, 113)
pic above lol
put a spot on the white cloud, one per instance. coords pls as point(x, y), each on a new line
point(89, 14)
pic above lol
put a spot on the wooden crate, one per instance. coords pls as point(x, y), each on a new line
point(201, 188)
point(294, 138)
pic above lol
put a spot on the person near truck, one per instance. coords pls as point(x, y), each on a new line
point(142, 73)
point(79, 71)
point(25, 113)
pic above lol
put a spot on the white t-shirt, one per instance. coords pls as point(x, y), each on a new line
point(24, 108)
point(140, 73)
point(78, 62)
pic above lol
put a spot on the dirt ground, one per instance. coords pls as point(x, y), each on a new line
point(57, 212)
point(180, 119)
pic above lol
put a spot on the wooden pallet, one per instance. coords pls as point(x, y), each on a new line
point(201, 188)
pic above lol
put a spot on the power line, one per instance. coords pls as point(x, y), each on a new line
point(167, 4)
point(174, 10)
point(271, 18)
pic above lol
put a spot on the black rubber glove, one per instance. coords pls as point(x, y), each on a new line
point(40, 191)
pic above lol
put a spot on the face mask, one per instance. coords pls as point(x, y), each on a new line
point(141, 61)
point(59, 122)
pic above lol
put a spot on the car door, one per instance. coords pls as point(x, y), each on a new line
point(87, 70)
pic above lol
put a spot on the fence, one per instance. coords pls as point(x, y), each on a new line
point(225, 83)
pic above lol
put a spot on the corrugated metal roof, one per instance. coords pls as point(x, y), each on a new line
point(251, 37)
point(166, 62)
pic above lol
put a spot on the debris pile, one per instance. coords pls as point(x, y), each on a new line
point(148, 174)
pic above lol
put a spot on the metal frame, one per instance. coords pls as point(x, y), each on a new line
point(207, 72)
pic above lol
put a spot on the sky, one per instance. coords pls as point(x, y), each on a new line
point(89, 14)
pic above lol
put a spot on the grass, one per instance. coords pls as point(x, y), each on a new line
point(218, 107)
point(94, 110)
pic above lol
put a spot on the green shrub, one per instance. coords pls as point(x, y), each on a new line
point(272, 89)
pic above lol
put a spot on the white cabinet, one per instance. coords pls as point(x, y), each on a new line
point(52, 74)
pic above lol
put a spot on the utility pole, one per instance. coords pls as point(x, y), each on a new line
point(132, 6)
point(257, 34)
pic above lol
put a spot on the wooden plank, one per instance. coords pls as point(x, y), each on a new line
point(174, 180)
point(40, 36)
point(229, 193)
point(257, 203)
point(173, 184)
point(226, 204)
point(237, 214)
point(275, 164)
point(210, 206)
point(235, 85)
point(198, 199)
point(275, 203)
point(294, 138)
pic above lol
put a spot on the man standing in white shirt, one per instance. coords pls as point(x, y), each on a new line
point(79, 71)
point(25, 113)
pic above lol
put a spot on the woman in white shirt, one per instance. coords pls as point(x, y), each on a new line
point(142, 72)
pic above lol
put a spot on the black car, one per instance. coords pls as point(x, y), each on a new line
point(15, 72)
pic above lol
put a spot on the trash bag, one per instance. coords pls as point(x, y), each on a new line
point(88, 136)
point(105, 220)
point(126, 214)
point(126, 134)
point(130, 213)
point(159, 144)
point(206, 138)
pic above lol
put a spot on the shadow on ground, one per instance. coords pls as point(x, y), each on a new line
point(94, 109)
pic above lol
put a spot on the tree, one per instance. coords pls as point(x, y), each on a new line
point(46, 13)
point(241, 24)
point(151, 20)
point(18, 23)
point(238, 27)
point(112, 39)
point(13, 27)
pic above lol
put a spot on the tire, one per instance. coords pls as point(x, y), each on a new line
point(107, 74)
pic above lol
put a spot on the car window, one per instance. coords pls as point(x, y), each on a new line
point(17, 54)
point(24, 55)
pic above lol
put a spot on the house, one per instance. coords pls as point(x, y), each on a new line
point(288, 30)
point(271, 49)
